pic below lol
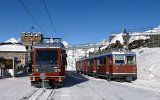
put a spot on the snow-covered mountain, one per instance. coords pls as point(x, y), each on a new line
point(154, 30)
point(118, 37)
point(136, 35)
point(11, 40)
point(76, 54)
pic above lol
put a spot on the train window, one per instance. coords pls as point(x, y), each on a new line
point(101, 61)
point(130, 59)
point(64, 61)
point(119, 59)
point(81, 65)
point(90, 62)
point(110, 60)
point(98, 62)
point(47, 57)
point(104, 60)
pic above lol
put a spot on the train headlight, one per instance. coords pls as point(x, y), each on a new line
point(36, 70)
point(56, 70)
point(59, 70)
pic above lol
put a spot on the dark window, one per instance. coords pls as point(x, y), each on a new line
point(90, 62)
point(101, 61)
point(47, 57)
point(130, 60)
point(64, 55)
point(104, 60)
point(27, 47)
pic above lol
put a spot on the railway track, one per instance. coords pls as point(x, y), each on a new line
point(40, 94)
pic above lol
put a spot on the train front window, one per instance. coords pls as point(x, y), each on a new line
point(119, 59)
point(47, 57)
point(130, 59)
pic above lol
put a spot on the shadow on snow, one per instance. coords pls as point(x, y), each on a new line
point(72, 78)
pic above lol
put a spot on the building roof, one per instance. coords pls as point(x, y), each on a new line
point(13, 47)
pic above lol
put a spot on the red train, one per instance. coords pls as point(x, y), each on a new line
point(50, 59)
point(112, 65)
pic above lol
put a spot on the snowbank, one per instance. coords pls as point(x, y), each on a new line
point(148, 63)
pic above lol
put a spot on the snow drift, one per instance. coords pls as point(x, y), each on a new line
point(148, 63)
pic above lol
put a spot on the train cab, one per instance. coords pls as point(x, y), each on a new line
point(124, 65)
point(49, 59)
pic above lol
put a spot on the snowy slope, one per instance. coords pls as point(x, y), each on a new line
point(117, 37)
point(148, 63)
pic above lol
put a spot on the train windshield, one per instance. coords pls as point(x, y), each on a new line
point(47, 57)
point(119, 59)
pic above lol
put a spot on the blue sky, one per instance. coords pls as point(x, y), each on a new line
point(77, 21)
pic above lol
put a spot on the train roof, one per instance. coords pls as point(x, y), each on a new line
point(127, 53)
point(49, 45)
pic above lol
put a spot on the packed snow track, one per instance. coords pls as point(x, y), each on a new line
point(40, 94)
point(80, 87)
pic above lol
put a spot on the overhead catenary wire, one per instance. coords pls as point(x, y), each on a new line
point(52, 23)
point(32, 16)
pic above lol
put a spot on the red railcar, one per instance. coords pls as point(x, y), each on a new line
point(115, 64)
point(50, 59)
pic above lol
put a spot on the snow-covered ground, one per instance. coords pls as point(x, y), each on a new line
point(81, 87)
point(15, 88)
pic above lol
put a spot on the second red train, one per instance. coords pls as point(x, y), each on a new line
point(112, 65)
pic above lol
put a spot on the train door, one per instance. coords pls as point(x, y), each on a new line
point(94, 67)
point(101, 66)
point(107, 65)
point(97, 65)
point(110, 62)
point(90, 66)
